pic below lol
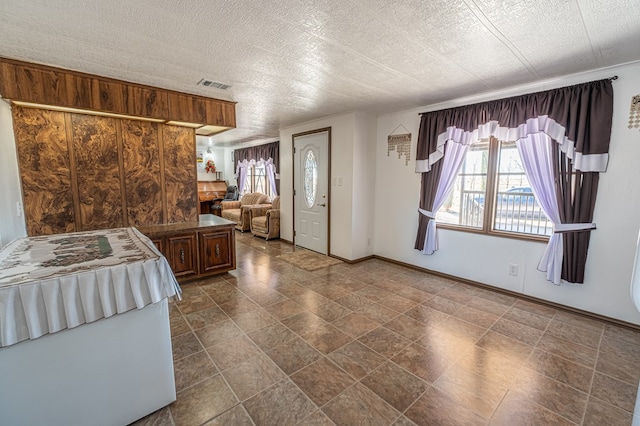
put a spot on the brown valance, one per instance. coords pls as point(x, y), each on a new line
point(577, 117)
point(257, 153)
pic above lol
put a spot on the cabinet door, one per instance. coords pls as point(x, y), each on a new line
point(183, 254)
point(159, 243)
point(216, 251)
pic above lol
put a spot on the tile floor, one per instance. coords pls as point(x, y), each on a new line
point(379, 344)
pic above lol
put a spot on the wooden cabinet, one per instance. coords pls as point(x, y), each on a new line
point(215, 247)
point(182, 254)
point(196, 249)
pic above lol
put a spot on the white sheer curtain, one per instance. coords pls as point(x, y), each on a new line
point(241, 175)
point(453, 159)
point(536, 153)
point(242, 170)
point(271, 177)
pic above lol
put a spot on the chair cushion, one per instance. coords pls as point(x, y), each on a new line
point(232, 214)
point(254, 198)
point(259, 224)
point(275, 204)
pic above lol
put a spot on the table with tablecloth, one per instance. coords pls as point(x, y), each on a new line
point(85, 313)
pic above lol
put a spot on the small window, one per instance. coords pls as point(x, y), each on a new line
point(493, 195)
point(310, 178)
point(256, 181)
point(466, 203)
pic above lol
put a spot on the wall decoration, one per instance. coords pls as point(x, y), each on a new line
point(210, 167)
point(401, 143)
point(634, 112)
point(200, 161)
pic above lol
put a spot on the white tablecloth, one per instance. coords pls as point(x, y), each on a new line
point(51, 283)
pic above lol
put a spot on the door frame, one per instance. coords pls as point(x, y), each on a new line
point(293, 181)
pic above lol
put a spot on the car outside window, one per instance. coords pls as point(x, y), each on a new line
point(492, 195)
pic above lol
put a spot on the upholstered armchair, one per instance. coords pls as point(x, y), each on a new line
point(265, 220)
point(239, 211)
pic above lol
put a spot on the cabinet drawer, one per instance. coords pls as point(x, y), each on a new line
point(183, 254)
point(216, 251)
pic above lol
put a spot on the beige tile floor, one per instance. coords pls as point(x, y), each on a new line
point(379, 344)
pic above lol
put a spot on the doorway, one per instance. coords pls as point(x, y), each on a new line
point(311, 168)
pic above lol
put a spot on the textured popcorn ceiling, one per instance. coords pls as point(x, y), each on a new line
point(291, 61)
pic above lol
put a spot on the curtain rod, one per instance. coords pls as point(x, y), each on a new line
point(614, 78)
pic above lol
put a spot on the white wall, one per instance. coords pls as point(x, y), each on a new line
point(485, 259)
point(364, 175)
point(350, 202)
point(218, 155)
point(12, 226)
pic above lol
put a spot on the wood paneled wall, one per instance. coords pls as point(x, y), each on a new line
point(40, 84)
point(180, 185)
point(82, 172)
point(44, 151)
point(141, 158)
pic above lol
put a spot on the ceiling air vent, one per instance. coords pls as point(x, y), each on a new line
point(213, 84)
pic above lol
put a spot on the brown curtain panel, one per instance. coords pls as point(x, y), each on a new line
point(428, 187)
point(266, 151)
point(576, 193)
point(577, 117)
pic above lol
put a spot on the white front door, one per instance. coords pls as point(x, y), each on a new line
point(311, 186)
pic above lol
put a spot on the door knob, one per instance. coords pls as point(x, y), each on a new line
point(322, 205)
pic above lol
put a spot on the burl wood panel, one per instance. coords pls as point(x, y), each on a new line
point(96, 153)
point(142, 172)
point(45, 171)
point(180, 173)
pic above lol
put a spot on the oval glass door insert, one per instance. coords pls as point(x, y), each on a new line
point(310, 178)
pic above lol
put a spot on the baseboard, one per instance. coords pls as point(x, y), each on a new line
point(514, 294)
point(351, 262)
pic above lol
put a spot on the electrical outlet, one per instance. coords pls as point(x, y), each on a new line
point(513, 269)
point(18, 208)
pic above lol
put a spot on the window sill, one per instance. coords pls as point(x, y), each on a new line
point(499, 234)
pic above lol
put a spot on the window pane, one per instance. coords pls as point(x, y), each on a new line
point(465, 205)
point(310, 179)
point(516, 207)
point(260, 179)
point(248, 183)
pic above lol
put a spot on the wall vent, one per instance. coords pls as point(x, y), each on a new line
point(213, 84)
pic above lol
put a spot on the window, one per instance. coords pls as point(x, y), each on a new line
point(492, 194)
point(256, 181)
point(310, 183)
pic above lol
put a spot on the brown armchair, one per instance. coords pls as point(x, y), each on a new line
point(265, 220)
point(239, 211)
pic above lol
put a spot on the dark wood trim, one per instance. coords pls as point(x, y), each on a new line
point(123, 190)
point(555, 305)
point(73, 172)
point(293, 168)
point(354, 261)
point(163, 184)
